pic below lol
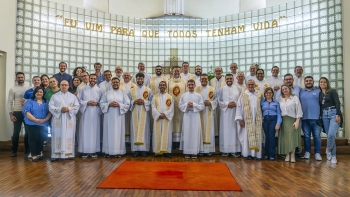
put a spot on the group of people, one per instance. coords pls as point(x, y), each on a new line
point(185, 111)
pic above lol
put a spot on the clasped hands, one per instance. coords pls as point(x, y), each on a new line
point(231, 104)
point(113, 104)
point(139, 102)
point(162, 116)
point(207, 103)
point(64, 109)
point(92, 103)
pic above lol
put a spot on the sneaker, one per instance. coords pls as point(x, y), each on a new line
point(334, 159)
point(94, 155)
point(194, 156)
point(30, 156)
point(329, 155)
point(307, 155)
point(318, 157)
point(187, 156)
point(84, 155)
point(224, 154)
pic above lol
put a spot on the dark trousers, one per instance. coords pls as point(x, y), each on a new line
point(35, 137)
point(270, 131)
point(17, 125)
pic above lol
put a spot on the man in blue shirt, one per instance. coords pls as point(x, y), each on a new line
point(100, 78)
point(289, 80)
point(36, 81)
point(311, 113)
point(62, 75)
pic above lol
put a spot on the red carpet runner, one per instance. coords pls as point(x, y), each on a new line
point(171, 176)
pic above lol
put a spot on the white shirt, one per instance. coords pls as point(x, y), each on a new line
point(249, 77)
point(15, 97)
point(275, 81)
point(299, 81)
point(291, 107)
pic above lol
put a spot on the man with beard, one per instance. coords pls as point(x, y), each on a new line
point(207, 145)
point(191, 103)
point(63, 106)
point(185, 72)
point(288, 80)
point(311, 112)
point(261, 84)
point(100, 77)
point(298, 78)
point(106, 85)
point(89, 127)
point(227, 97)
point(118, 72)
point(176, 88)
point(162, 112)
point(249, 117)
point(154, 82)
point(274, 81)
point(252, 73)
point(14, 105)
point(198, 72)
point(140, 97)
point(142, 69)
point(114, 104)
point(62, 75)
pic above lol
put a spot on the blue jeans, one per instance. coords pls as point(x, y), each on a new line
point(310, 127)
point(331, 128)
point(270, 131)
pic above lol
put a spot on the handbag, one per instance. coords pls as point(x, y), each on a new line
point(319, 122)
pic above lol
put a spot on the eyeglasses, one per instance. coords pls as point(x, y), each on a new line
point(64, 85)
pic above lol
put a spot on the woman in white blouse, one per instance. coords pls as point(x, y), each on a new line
point(289, 136)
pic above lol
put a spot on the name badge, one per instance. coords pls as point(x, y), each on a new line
point(314, 93)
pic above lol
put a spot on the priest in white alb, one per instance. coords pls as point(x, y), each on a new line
point(162, 112)
point(156, 79)
point(106, 85)
point(260, 83)
point(140, 105)
point(227, 97)
point(114, 104)
point(207, 116)
point(142, 69)
point(198, 73)
point(63, 106)
point(89, 127)
point(185, 74)
point(191, 103)
point(249, 117)
point(176, 88)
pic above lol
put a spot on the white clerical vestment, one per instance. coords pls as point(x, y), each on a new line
point(105, 86)
point(140, 118)
point(154, 83)
point(249, 77)
point(187, 76)
point(229, 142)
point(126, 87)
point(81, 86)
point(260, 86)
point(191, 133)
point(176, 88)
point(114, 122)
point(89, 127)
point(198, 80)
point(217, 84)
point(207, 119)
point(299, 81)
point(162, 128)
point(63, 124)
point(254, 101)
point(275, 81)
point(146, 80)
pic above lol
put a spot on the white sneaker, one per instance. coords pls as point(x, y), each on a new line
point(307, 155)
point(329, 155)
point(318, 157)
point(334, 159)
point(30, 156)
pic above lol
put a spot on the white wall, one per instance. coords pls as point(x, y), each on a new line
point(100, 5)
point(271, 3)
point(8, 12)
point(210, 8)
point(137, 8)
point(346, 63)
point(75, 3)
point(250, 5)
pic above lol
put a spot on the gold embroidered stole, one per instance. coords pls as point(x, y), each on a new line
point(253, 129)
point(176, 88)
point(207, 128)
point(139, 123)
point(122, 86)
point(154, 86)
point(162, 134)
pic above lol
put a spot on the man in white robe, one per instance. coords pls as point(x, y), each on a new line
point(89, 127)
point(274, 81)
point(198, 73)
point(191, 103)
point(185, 72)
point(114, 104)
point(63, 106)
point(234, 68)
point(227, 97)
point(155, 80)
point(140, 105)
point(240, 81)
point(142, 69)
point(207, 116)
point(252, 75)
point(126, 86)
point(162, 112)
point(118, 72)
point(249, 117)
point(217, 82)
point(298, 77)
point(85, 81)
point(106, 85)
point(176, 88)
point(260, 83)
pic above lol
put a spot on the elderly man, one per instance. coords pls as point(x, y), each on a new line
point(240, 81)
point(118, 72)
point(142, 69)
point(207, 116)
point(163, 113)
point(227, 97)
point(176, 88)
point(63, 106)
point(298, 78)
point(249, 117)
point(126, 86)
point(252, 73)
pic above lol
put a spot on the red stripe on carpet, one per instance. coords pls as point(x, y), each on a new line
point(171, 176)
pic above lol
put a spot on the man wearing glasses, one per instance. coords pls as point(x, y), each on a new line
point(288, 80)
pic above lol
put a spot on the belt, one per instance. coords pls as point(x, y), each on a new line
point(331, 107)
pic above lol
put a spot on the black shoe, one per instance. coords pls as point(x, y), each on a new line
point(168, 155)
point(13, 154)
point(272, 159)
point(200, 154)
point(106, 155)
point(54, 159)
point(249, 158)
point(236, 155)
point(136, 154)
point(265, 158)
point(255, 158)
point(26, 152)
point(144, 154)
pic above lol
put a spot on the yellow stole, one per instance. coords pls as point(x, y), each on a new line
point(176, 88)
point(154, 86)
point(253, 129)
point(162, 135)
point(139, 123)
point(206, 129)
point(122, 86)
